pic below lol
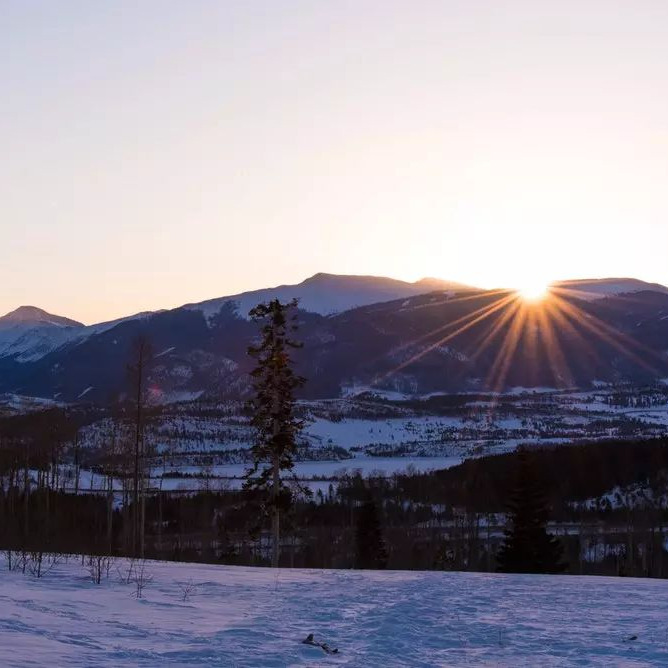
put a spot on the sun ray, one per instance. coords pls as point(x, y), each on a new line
point(590, 320)
point(486, 312)
point(484, 341)
point(499, 371)
point(556, 358)
point(457, 300)
point(606, 333)
point(448, 325)
point(535, 327)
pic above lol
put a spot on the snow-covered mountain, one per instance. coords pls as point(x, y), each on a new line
point(32, 316)
point(327, 294)
point(598, 288)
point(29, 333)
point(400, 337)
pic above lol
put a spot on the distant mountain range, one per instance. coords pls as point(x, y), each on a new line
point(29, 333)
point(604, 287)
point(359, 332)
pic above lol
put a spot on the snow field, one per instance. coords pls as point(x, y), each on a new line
point(257, 617)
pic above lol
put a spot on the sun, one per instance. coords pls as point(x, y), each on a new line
point(534, 291)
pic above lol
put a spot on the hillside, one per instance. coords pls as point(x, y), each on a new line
point(258, 617)
point(441, 341)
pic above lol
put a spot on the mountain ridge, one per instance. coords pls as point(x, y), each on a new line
point(583, 288)
point(432, 342)
point(371, 332)
point(33, 315)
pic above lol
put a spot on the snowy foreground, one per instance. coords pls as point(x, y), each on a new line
point(258, 617)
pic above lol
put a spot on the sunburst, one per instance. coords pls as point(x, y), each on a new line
point(532, 322)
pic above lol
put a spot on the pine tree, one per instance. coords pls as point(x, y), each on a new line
point(273, 411)
point(370, 551)
point(527, 547)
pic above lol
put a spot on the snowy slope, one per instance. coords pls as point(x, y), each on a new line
point(258, 617)
point(29, 333)
point(330, 293)
point(28, 340)
point(591, 289)
point(33, 316)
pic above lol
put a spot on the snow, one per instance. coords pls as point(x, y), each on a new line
point(17, 403)
point(593, 289)
point(304, 470)
point(29, 341)
point(258, 617)
point(312, 474)
point(350, 434)
point(327, 294)
point(356, 433)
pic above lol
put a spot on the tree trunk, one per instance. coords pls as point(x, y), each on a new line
point(275, 518)
point(142, 524)
point(76, 463)
point(110, 510)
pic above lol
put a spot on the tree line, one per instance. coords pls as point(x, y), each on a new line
point(545, 511)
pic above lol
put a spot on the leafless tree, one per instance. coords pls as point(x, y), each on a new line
point(188, 589)
point(98, 565)
point(138, 370)
point(141, 578)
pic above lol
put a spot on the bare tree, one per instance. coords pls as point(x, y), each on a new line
point(141, 578)
point(97, 566)
point(138, 370)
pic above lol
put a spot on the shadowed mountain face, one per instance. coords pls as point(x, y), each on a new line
point(440, 341)
point(29, 333)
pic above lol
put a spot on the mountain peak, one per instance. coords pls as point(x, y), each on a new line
point(597, 288)
point(32, 315)
point(431, 283)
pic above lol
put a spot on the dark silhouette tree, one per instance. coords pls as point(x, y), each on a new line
point(272, 411)
point(527, 546)
point(370, 551)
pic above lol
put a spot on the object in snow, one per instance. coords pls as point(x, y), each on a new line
point(309, 640)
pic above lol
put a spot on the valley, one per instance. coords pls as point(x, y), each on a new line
point(205, 444)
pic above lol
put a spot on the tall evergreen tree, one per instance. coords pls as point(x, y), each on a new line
point(273, 410)
point(370, 551)
point(527, 546)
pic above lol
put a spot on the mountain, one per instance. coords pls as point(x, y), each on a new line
point(29, 333)
point(445, 340)
point(328, 294)
point(35, 317)
point(597, 288)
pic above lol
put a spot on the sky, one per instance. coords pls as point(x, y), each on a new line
point(159, 153)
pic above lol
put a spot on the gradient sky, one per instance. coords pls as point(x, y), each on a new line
point(157, 153)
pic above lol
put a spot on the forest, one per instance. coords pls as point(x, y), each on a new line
point(605, 502)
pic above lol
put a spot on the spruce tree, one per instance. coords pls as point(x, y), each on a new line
point(528, 547)
point(370, 552)
point(272, 410)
